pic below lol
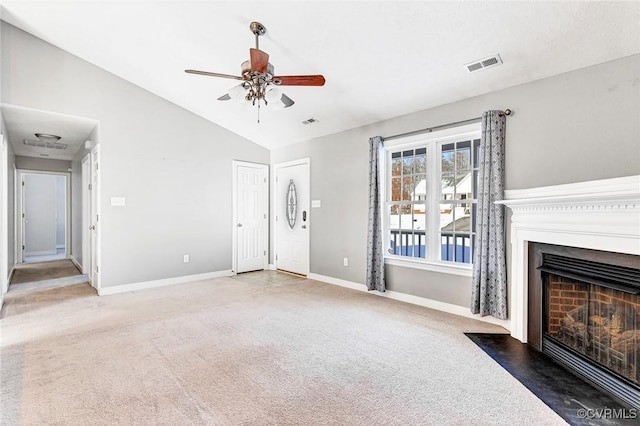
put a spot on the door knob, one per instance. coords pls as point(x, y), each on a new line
point(239, 225)
point(304, 226)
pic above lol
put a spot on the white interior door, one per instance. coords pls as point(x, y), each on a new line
point(86, 213)
point(4, 221)
point(94, 230)
point(39, 214)
point(292, 200)
point(251, 217)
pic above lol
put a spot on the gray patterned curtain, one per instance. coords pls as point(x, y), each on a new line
point(375, 237)
point(489, 291)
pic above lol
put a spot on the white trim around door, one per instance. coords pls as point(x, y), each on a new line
point(250, 225)
point(19, 208)
point(301, 217)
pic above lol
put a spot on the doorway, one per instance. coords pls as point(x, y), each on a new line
point(90, 181)
point(250, 219)
point(43, 216)
point(4, 221)
point(292, 219)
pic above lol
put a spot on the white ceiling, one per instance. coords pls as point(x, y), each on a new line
point(22, 123)
point(380, 59)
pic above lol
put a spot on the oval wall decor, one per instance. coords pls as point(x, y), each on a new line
point(292, 204)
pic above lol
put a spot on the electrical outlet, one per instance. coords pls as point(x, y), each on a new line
point(186, 258)
point(345, 261)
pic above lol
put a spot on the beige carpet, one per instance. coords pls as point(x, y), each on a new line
point(257, 349)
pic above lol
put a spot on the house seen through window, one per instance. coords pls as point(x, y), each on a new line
point(431, 198)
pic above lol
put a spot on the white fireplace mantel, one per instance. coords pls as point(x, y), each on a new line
point(599, 215)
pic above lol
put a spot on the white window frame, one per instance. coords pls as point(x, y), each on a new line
point(432, 142)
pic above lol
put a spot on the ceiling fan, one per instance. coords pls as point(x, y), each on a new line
point(259, 84)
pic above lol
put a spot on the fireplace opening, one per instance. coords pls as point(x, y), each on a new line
point(591, 321)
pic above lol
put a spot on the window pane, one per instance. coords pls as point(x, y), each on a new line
point(396, 189)
point(420, 188)
point(420, 164)
point(455, 233)
point(407, 188)
point(396, 166)
point(448, 186)
point(407, 165)
point(419, 217)
point(448, 158)
point(463, 155)
point(464, 183)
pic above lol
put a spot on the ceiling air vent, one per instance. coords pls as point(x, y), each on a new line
point(492, 61)
point(310, 121)
point(45, 144)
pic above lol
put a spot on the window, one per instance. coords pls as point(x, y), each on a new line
point(430, 196)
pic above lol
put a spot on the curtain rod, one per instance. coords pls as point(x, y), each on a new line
point(442, 126)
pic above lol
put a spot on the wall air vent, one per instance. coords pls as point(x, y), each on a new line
point(310, 121)
point(44, 144)
point(492, 61)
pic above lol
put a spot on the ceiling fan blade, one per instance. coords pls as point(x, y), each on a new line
point(214, 74)
point(287, 101)
point(259, 60)
point(299, 80)
point(224, 97)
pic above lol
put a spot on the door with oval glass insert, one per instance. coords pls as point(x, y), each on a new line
point(292, 216)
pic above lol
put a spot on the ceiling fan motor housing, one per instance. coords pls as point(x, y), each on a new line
point(247, 74)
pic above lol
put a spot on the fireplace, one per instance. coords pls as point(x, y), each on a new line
point(587, 314)
point(588, 324)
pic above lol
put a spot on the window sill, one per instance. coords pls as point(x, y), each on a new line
point(463, 271)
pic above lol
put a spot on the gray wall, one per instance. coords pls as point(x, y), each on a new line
point(573, 127)
point(42, 164)
point(173, 167)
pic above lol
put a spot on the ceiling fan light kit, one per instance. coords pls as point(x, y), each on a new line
point(259, 84)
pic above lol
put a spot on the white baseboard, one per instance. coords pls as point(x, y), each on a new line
point(75, 262)
point(104, 291)
point(414, 300)
point(40, 253)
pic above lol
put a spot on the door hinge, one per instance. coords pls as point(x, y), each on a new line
point(265, 180)
point(97, 217)
point(22, 183)
point(90, 187)
point(96, 166)
point(265, 252)
point(23, 215)
point(276, 178)
point(265, 216)
point(97, 269)
point(22, 247)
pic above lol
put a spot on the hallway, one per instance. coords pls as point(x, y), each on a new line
point(37, 285)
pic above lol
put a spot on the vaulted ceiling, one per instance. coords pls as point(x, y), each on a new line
point(380, 59)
